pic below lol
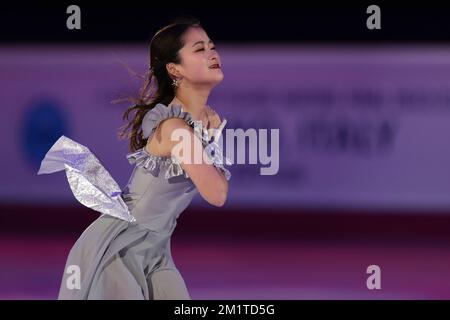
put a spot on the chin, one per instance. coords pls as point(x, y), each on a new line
point(218, 79)
point(212, 81)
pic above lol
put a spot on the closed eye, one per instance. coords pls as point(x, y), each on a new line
point(203, 49)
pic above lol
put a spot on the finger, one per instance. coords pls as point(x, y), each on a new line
point(210, 111)
point(218, 132)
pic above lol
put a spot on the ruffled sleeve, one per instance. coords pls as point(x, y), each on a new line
point(169, 165)
point(159, 113)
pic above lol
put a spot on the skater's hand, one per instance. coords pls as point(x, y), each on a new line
point(216, 125)
point(213, 117)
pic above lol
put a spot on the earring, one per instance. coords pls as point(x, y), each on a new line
point(175, 83)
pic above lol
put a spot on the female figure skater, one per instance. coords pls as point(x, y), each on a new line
point(126, 253)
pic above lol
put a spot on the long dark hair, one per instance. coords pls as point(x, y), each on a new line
point(164, 48)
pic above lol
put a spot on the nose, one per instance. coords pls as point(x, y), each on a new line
point(214, 60)
point(214, 55)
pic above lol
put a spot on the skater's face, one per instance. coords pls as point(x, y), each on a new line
point(200, 62)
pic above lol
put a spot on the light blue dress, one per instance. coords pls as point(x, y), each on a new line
point(126, 252)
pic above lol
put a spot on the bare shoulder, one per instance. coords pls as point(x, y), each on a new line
point(170, 125)
point(161, 143)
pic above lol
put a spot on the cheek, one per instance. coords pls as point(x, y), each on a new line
point(196, 67)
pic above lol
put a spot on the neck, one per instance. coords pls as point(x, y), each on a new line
point(193, 101)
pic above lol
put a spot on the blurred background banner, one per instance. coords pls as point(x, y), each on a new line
point(359, 126)
point(362, 175)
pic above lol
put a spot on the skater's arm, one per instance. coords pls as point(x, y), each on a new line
point(210, 181)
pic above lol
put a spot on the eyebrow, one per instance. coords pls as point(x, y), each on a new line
point(201, 42)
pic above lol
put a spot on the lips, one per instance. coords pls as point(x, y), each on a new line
point(214, 66)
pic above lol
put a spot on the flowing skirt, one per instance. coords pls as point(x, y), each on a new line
point(118, 259)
